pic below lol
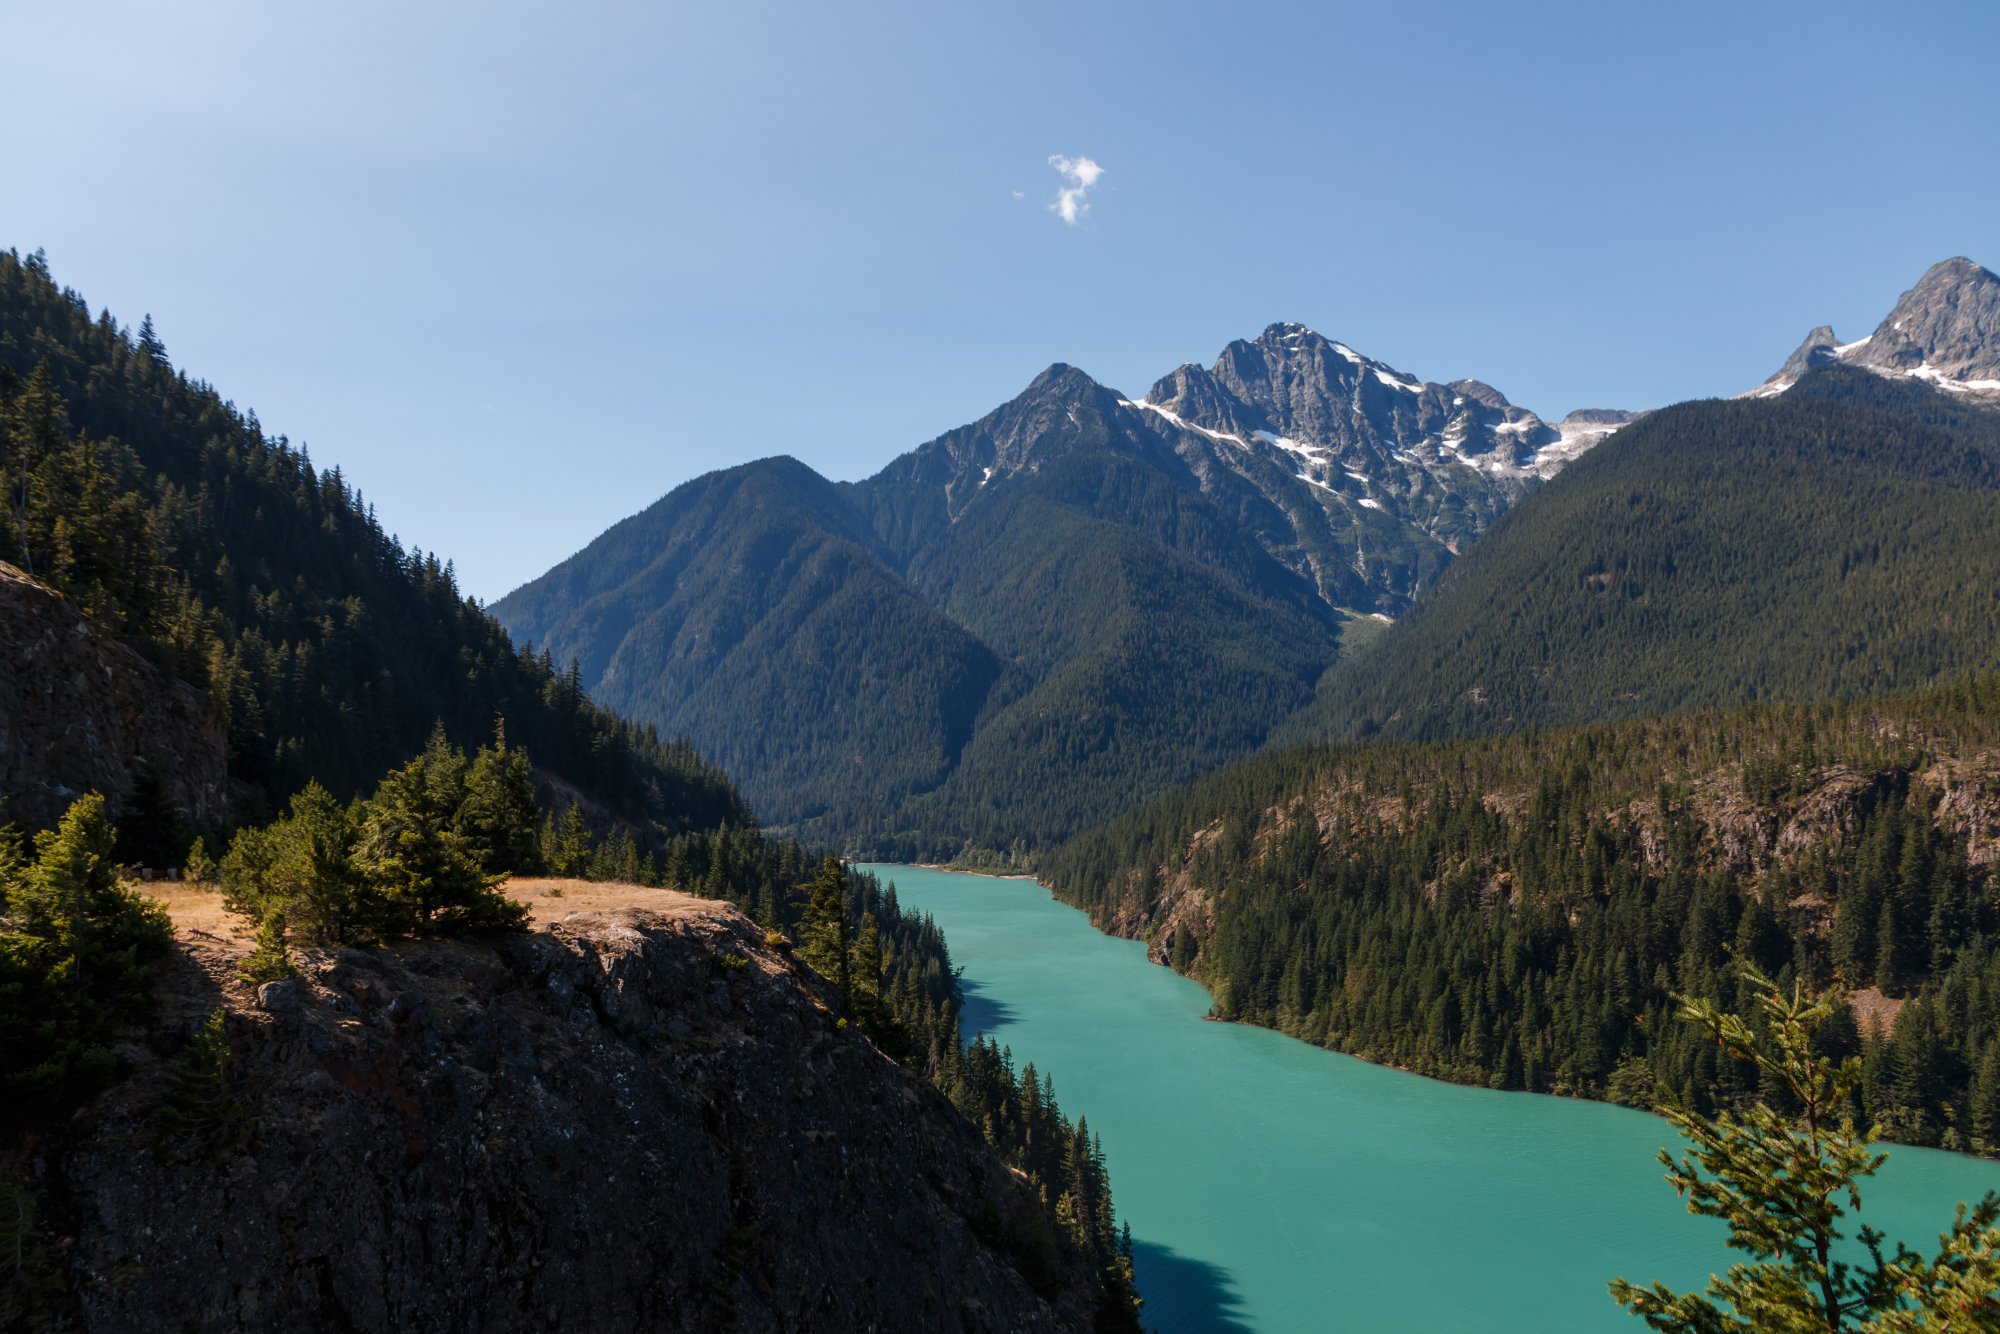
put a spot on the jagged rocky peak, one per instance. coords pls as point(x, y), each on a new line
point(1948, 325)
point(1191, 393)
point(1945, 330)
point(1347, 415)
point(1820, 347)
point(1480, 392)
point(1061, 410)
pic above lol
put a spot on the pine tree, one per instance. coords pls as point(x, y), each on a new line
point(74, 956)
point(304, 867)
point(425, 876)
point(268, 960)
point(149, 341)
point(152, 832)
point(572, 844)
point(1984, 1104)
point(199, 867)
point(1783, 1180)
point(498, 814)
point(825, 929)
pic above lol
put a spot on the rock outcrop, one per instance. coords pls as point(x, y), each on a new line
point(637, 1118)
point(79, 710)
point(1944, 331)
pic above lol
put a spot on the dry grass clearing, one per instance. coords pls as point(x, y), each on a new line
point(550, 899)
point(197, 910)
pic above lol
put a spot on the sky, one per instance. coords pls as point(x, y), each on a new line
point(520, 269)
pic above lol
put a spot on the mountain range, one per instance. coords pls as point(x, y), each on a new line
point(1035, 620)
point(1079, 598)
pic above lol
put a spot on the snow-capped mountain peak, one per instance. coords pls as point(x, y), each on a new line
point(1944, 331)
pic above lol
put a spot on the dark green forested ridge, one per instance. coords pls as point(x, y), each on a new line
point(739, 607)
point(221, 552)
point(1834, 541)
point(931, 681)
point(1519, 911)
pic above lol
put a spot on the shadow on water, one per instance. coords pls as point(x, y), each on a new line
point(1183, 1293)
point(980, 1012)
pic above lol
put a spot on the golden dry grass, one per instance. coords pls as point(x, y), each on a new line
point(550, 898)
point(197, 910)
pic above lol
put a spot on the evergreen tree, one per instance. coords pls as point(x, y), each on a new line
point(826, 933)
point(1984, 1109)
point(152, 832)
point(498, 815)
point(571, 849)
point(303, 868)
point(423, 870)
point(268, 960)
point(201, 1107)
point(74, 952)
point(150, 345)
point(1782, 1180)
point(199, 867)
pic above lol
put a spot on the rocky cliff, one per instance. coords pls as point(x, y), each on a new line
point(79, 710)
point(1944, 331)
point(641, 1116)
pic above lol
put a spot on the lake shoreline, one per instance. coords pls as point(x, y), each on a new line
point(1249, 1162)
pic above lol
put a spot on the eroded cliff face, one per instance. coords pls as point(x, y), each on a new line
point(641, 1117)
point(78, 710)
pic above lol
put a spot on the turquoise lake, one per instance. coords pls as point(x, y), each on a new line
point(1273, 1186)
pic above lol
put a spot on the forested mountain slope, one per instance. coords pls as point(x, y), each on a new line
point(1002, 662)
point(737, 609)
point(174, 521)
point(1023, 625)
point(1521, 911)
point(1835, 541)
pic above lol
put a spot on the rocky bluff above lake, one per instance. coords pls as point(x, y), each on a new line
point(639, 1116)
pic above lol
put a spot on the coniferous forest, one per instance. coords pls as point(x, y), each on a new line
point(1119, 670)
point(224, 555)
point(380, 728)
point(1522, 912)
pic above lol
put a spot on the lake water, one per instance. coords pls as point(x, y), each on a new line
point(1274, 1186)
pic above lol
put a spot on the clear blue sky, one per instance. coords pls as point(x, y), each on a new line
point(521, 269)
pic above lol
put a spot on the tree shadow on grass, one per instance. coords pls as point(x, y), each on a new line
point(1183, 1293)
point(981, 1013)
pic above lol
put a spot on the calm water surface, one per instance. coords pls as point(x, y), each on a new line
point(1274, 1186)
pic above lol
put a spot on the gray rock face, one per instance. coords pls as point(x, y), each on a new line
point(640, 1119)
point(1819, 348)
point(1382, 475)
point(79, 710)
point(1357, 477)
point(1945, 330)
point(1949, 322)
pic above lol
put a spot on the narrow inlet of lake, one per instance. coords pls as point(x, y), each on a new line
point(1274, 1186)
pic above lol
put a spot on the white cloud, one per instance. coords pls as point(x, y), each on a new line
point(1081, 173)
